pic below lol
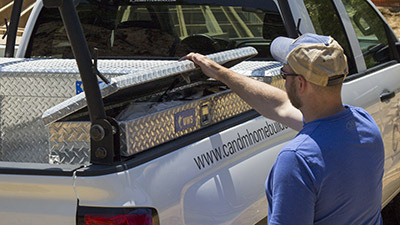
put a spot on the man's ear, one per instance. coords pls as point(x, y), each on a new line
point(302, 84)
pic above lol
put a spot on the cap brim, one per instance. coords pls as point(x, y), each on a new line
point(280, 48)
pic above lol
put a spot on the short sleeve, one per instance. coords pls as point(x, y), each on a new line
point(292, 195)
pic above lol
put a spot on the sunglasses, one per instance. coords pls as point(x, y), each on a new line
point(285, 74)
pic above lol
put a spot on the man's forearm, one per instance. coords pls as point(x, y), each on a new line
point(269, 101)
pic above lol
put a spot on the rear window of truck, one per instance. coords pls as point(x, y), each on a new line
point(149, 29)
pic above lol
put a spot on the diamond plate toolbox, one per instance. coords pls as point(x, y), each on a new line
point(43, 117)
point(28, 87)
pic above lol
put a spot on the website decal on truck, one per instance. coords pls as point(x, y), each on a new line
point(243, 141)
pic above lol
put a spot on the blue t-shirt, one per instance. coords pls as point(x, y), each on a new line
point(330, 173)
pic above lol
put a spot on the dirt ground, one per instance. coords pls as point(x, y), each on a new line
point(392, 15)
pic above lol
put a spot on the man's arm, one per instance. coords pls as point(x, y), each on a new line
point(291, 190)
point(269, 101)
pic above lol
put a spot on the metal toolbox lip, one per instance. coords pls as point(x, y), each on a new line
point(130, 81)
point(68, 66)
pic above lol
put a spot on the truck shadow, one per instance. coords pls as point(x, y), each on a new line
point(390, 214)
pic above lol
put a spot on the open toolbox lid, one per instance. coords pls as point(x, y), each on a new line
point(146, 82)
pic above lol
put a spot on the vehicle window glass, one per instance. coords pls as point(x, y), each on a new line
point(326, 22)
point(157, 30)
point(370, 31)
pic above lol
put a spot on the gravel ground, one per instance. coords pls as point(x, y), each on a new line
point(392, 16)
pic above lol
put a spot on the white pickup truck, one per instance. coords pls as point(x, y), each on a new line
point(161, 143)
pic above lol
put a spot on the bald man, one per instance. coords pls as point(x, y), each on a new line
point(331, 172)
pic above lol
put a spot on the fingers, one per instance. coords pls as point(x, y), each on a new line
point(189, 56)
point(208, 66)
point(197, 58)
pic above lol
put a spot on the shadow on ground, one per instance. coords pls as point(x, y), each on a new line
point(391, 213)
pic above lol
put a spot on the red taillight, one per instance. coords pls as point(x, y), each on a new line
point(145, 219)
point(116, 216)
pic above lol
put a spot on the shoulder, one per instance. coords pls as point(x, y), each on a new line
point(303, 149)
point(303, 142)
point(293, 166)
point(360, 113)
point(356, 109)
point(291, 157)
point(304, 154)
point(364, 122)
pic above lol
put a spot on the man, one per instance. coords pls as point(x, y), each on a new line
point(331, 172)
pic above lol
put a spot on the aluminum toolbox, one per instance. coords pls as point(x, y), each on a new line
point(45, 121)
point(28, 87)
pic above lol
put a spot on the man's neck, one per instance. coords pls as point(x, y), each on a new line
point(319, 111)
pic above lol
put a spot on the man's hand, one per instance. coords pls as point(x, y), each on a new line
point(209, 67)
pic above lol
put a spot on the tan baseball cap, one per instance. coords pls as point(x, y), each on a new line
point(319, 59)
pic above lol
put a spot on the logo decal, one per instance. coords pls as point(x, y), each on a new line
point(184, 120)
point(79, 86)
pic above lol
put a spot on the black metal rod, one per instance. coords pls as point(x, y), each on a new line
point(13, 28)
point(288, 18)
point(84, 60)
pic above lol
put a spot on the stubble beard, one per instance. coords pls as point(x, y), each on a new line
point(293, 97)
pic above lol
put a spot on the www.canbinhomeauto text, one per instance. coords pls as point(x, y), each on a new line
point(242, 142)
